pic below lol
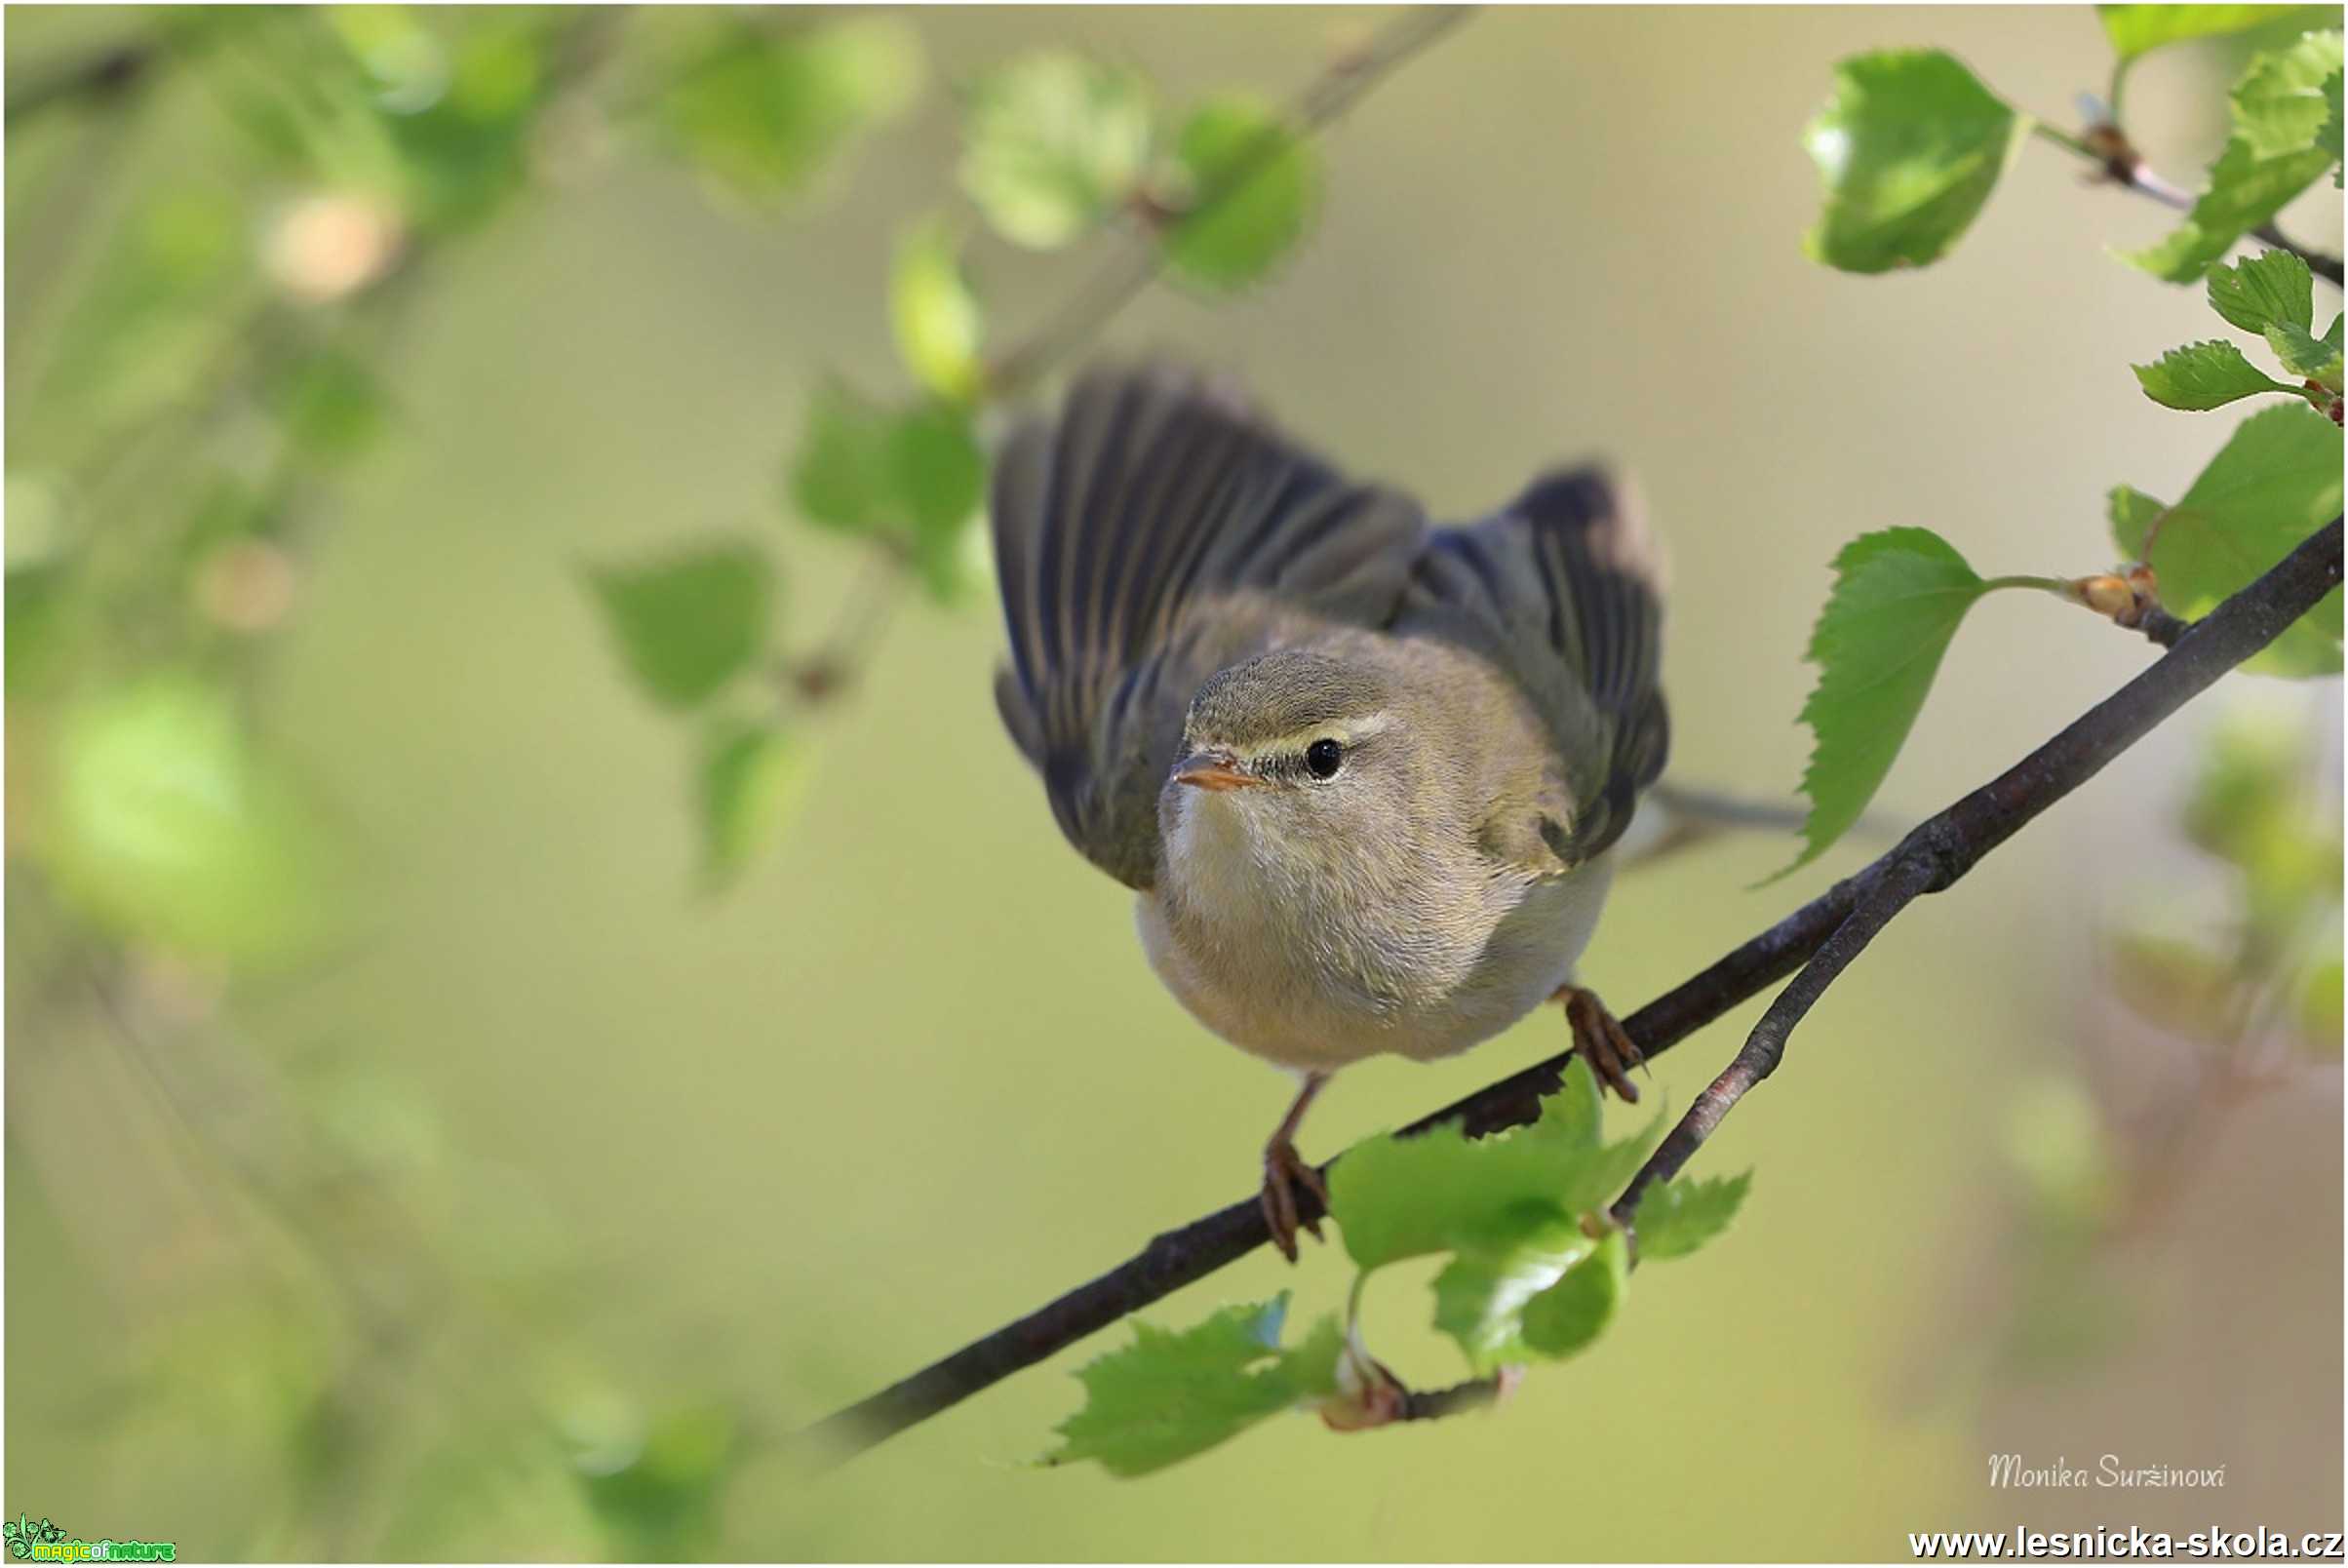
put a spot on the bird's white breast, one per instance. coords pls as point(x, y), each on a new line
point(1260, 954)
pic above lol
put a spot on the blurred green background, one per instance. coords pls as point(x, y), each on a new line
point(528, 1196)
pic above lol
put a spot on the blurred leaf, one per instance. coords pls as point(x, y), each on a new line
point(1676, 1217)
point(2055, 1143)
point(2274, 483)
point(165, 825)
point(2281, 103)
point(764, 113)
point(1898, 596)
point(32, 615)
point(330, 403)
point(2139, 29)
point(2205, 375)
point(2320, 1005)
point(2253, 806)
point(1171, 1394)
point(2262, 290)
point(465, 149)
point(662, 1504)
point(1253, 183)
point(689, 623)
point(2305, 355)
point(915, 476)
point(2247, 188)
point(1440, 1191)
point(2175, 985)
point(1908, 150)
point(1567, 1317)
point(936, 317)
point(752, 776)
point(937, 474)
point(1054, 143)
point(162, 309)
point(840, 476)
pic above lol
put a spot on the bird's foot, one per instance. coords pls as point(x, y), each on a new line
point(1284, 1171)
point(1602, 1041)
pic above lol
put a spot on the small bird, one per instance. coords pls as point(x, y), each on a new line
point(1362, 773)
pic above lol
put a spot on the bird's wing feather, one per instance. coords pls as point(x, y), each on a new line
point(1563, 590)
point(1156, 534)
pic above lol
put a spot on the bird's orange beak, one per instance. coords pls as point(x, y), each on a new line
point(1213, 771)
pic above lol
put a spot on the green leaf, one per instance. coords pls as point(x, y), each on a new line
point(332, 405)
point(36, 604)
point(688, 624)
point(2205, 375)
point(752, 777)
point(765, 112)
point(1908, 150)
point(2259, 290)
point(1565, 1319)
point(917, 476)
point(2328, 138)
point(2305, 355)
point(165, 824)
point(2137, 30)
point(1898, 596)
point(663, 1501)
point(1480, 1295)
point(1171, 1394)
point(2280, 105)
point(937, 475)
point(1054, 143)
point(1676, 1218)
point(840, 475)
point(935, 315)
point(1253, 183)
point(2249, 186)
point(1439, 1191)
point(2275, 481)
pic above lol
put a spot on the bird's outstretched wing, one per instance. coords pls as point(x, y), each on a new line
point(1563, 590)
point(1154, 534)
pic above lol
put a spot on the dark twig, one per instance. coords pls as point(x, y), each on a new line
point(112, 72)
point(1938, 851)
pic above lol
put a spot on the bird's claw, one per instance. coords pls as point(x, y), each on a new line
point(1602, 1041)
point(1284, 1170)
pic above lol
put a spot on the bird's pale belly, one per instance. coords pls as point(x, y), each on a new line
point(1278, 988)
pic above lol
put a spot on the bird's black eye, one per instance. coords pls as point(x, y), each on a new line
point(1324, 758)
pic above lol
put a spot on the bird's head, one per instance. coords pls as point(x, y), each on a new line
point(1303, 749)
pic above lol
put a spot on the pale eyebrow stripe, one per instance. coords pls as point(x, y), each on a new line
point(1350, 734)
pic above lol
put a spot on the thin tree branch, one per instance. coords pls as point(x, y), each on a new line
point(1941, 850)
point(1834, 926)
point(2107, 147)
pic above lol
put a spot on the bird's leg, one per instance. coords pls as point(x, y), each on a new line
point(1284, 1169)
point(1603, 1043)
